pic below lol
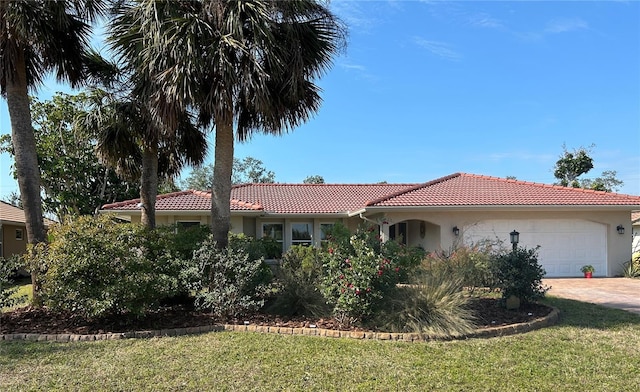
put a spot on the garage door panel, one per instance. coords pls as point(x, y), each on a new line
point(565, 244)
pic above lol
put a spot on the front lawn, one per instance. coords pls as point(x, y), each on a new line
point(592, 349)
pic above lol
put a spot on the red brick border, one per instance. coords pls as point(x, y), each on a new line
point(538, 323)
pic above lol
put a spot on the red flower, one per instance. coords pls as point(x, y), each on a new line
point(380, 272)
point(330, 251)
point(341, 276)
point(357, 291)
point(368, 289)
point(397, 269)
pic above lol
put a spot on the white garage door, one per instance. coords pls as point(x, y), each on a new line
point(565, 244)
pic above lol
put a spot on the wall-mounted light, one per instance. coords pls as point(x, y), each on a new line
point(515, 238)
point(620, 229)
point(456, 231)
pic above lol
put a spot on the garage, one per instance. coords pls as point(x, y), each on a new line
point(565, 244)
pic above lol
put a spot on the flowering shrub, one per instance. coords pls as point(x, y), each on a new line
point(358, 273)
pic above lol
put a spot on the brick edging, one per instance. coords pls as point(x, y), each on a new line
point(512, 329)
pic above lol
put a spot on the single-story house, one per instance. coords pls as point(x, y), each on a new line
point(13, 231)
point(573, 227)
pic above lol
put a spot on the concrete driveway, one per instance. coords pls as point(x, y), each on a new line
point(621, 293)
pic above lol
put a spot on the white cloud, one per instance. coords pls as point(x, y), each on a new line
point(485, 20)
point(440, 49)
point(352, 13)
point(565, 25)
point(356, 67)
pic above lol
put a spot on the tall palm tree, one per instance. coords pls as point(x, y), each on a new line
point(140, 147)
point(244, 66)
point(37, 37)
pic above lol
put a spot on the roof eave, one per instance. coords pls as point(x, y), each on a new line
point(494, 207)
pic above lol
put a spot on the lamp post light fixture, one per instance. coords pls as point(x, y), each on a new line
point(620, 229)
point(456, 231)
point(515, 238)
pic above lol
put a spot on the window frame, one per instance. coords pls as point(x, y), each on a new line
point(303, 241)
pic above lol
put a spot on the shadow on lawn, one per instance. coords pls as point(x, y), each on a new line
point(586, 315)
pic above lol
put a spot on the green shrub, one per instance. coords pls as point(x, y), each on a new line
point(470, 265)
point(518, 273)
point(8, 269)
point(433, 305)
point(357, 274)
point(231, 283)
point(298, 278)
point(182, 241)
point(97, 267)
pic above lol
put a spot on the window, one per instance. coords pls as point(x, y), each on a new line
point(398, 232)
point(301, 233)
point(187, 224)
point(274, 232)
point(19, 234)
point(325, 231)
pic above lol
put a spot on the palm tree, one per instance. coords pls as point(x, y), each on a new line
point(243, 66)
point(37, 37)
point(139, 147)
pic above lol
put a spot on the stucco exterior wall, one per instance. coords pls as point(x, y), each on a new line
point(618, 246)
point(10, 245)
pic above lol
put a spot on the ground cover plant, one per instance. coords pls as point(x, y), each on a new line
point(591, 349)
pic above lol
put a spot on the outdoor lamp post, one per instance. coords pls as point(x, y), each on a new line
point(515, 238)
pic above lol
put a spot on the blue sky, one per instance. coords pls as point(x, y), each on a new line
point(430, 88)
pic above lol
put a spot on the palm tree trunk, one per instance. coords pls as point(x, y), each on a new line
point(27, 170)
point(149, 185)
point(221, 192)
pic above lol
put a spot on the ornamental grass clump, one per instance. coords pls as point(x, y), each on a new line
point(470, 264)
point(433, 305)
point(298, 279)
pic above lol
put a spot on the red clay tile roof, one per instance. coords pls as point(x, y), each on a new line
point(458, 189)
point(463, 189)
point(635, 217)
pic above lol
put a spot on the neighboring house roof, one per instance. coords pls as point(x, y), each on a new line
point(635, 217)
point(456, 190)
point(15, 215)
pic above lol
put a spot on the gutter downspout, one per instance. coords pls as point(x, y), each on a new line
point(384, 227)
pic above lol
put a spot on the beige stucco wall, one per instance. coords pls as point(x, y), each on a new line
point(618, 246)
point(636, 239)
point(11, 246)
point(438, 226)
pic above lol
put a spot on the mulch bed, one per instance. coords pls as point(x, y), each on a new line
point(487, 311)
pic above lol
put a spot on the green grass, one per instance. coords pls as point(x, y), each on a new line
point(592, 349)
point(24, 291)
